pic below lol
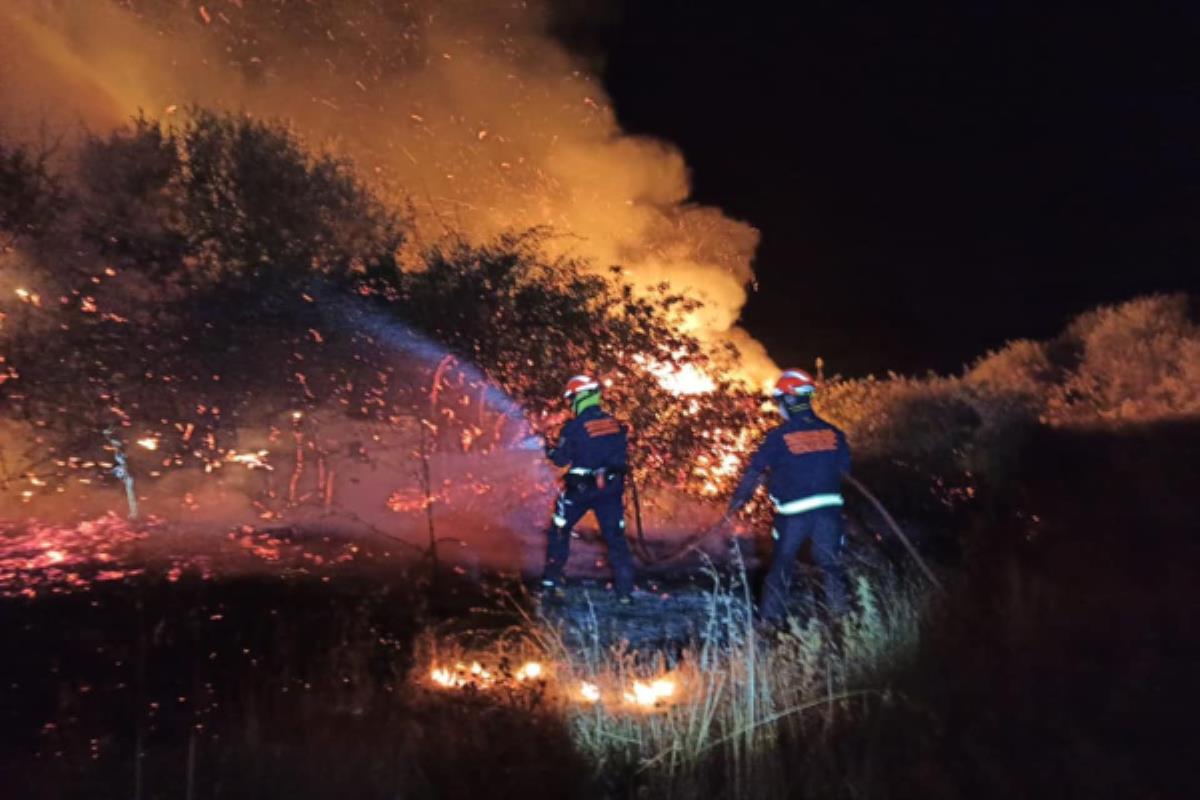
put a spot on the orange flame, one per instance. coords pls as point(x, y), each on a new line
point(648, 695)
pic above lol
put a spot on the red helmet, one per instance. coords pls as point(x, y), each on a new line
point(794, 383)
point(580, 383)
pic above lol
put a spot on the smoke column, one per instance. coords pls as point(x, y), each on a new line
point(466, 113)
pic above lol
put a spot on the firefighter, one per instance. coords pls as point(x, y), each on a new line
point(805, 457)
point(592, 446)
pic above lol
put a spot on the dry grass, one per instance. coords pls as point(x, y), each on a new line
point(745, 709)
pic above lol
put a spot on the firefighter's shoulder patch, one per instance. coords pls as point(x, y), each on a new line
point(802, 442)
point(602, 427)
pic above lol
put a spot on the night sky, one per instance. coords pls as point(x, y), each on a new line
point(930, 179)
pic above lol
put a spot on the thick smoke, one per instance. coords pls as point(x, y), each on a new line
point(465, 112)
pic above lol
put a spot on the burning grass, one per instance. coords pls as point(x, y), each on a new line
point(711, 716)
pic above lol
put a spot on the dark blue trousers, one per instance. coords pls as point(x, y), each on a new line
point(609, 507)
point(824, 527)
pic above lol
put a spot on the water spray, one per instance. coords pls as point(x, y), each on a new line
point(385, 328)
point(399, 337)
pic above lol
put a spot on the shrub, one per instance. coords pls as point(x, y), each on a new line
point(531, 324)
point(1133, 362)
point(1136, 362)
point(908, 418)
point(223, 197)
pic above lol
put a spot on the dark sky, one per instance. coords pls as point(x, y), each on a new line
point(930, 179)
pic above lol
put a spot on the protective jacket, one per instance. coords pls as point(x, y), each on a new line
point(805, 458)
point(590, 442)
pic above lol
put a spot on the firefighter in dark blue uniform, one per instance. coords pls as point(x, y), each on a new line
point(593, 448)
point(805, 458)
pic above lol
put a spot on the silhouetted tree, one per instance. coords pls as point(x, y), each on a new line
point(31, 196)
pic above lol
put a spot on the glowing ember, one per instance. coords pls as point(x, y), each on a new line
point(529, 671)
point(251, 460)
point(642, 695)
point(414, 499)
point(32, 298)
point(648, 695)
point(150, 443)
point(724, 464)
point(461, 675)
point(477, 676)
point(37, 558)
point(444, 677)
point(687, 379)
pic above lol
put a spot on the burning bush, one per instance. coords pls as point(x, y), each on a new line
point(223, 267)
point(532, 324)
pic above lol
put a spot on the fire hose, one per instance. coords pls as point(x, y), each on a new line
point(908, 545)
point(643, 549)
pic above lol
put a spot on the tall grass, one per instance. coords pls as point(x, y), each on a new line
point(749, 708)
